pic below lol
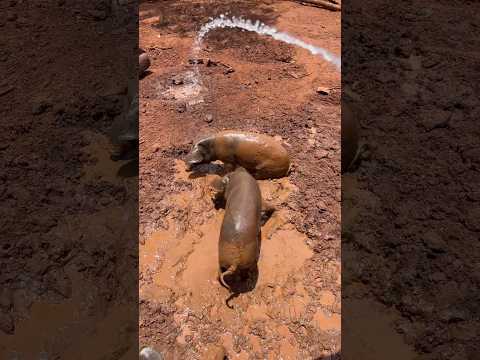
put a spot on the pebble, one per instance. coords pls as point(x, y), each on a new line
point(181, 108)
point(156, 147)
point(177, 80)
point(323, 90)
point(149, 353)
point(209, 118)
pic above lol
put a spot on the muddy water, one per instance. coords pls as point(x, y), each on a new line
point(73, 338)
point(182, 265)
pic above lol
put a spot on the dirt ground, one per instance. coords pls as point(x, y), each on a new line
point(66, 263)
point(410, 226)
point(249, 83)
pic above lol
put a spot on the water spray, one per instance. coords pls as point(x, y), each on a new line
point(260, 28)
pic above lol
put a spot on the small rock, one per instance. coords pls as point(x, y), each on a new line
point(153, 20)
point(209, 118)
point(156, 147)
point(211, 62)
point(229, 70)
point(182, 108)
point(177, 80)
point(434, 241)
point(436, 120)
point(195, 61)
point(149, 353)
point(323, 90)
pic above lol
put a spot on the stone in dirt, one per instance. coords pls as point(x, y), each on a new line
point(177, 80)
point(209, 118)
point(182, 108)
point(323, 90)
point(436, 120)
point(195, 61)
point(211, 62)
point(149, 353)
point(229, 70)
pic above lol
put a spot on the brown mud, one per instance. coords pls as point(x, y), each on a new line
point(65, 280)
point(250, 83)
point(412, 206)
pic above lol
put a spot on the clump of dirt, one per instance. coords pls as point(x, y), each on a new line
point(253, 84)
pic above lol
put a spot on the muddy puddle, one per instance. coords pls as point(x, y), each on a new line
point(180, 264)
point(100, 167)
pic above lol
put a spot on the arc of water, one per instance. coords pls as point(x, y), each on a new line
point(260, 28)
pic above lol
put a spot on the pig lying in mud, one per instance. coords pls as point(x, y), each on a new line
point(261, 155)
point(238, 247)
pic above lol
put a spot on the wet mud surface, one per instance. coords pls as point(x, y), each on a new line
point(248, 83)
point(65, 261)
point(412, 206)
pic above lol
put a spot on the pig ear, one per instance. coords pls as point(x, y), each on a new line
point(203, 144)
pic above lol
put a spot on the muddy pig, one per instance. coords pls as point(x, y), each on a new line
point(238, 248)
point(349, 130)
point(261, 155)
point(143, 63)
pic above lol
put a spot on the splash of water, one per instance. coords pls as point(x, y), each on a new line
point(260, 28)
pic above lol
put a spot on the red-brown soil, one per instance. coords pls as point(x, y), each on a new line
point(294, 310)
